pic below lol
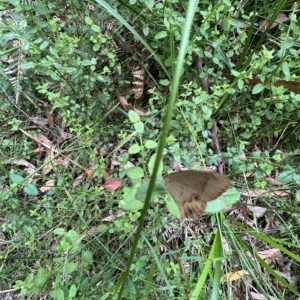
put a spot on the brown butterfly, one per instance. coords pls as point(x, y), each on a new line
point(191, 190)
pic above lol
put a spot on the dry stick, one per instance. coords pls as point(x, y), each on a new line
point(214, 129)
point(213, 135)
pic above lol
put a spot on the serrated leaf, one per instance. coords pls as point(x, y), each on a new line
point(135, 173)
point(129, 202)
point(133, 149)
point(133, 116)
point(16, 178)
point(139, 127)
point(31, 189)
point(150, 144)
point(159, 189)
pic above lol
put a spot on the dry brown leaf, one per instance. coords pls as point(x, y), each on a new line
point(47, 186)
point(232, 276)
point(288, 277)
point(128, 165)
point(79, 179)
point(258, 211)
point(274, 181)
point(281, 18)
point(226, 247)
point(139, 111)
point(111, 218)
point(271, 254)
point(262, 193)
point(126, 105)
point(256, 296)
point(113, 184)
point(293, 86)
point(63, 160)
point(50, 119)
point(20, 162)
point(179, 167)
point(39, 121)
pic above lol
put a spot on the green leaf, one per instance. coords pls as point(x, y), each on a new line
point(72, 291)
point(151, 165)
point(96, 28)
point(73, 235)
point(164, 82)
point(288, 43)
point(286, 69)
point(87, 258)
point(207, 111)
point(27, 65)
point(59, 231)
point(129, 202)
point(88, 20)
point(230, 197)
point(257, 88)
point(227, 2)
point(133, 149)
point(31, 189)
point(16, 178)
point(146, 31)
point(135, 173)
point(41, 277)
point(172, 207)
point(133, 116)
point(286, 177)
point(70, 267)
point(160, 35)
point(159, 189)
point(150, 144)
point(298, 196)
point(235, 73)
point(139, 127)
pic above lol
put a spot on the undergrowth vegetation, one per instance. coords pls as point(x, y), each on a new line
point(99, 100)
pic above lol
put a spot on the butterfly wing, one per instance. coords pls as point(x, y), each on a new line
point(192, 189)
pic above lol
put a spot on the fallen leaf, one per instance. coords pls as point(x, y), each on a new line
point(262, 192)
point(281, 18)
point(47, 186)
point(293, 86)
point(50, 119)
point(274, 181)
point(79, 179)
point(271, 254)
point(113, 184)
point(256, 296)
point(127, 106)
point(258, 211)
point(111, 218)
point(232, 276)
point(39, 121)
point(139, 111)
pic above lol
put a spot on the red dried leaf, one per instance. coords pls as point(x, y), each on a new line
point(127, 106)
point(113, 184)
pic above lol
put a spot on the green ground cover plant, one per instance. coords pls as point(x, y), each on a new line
point(99, 100)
